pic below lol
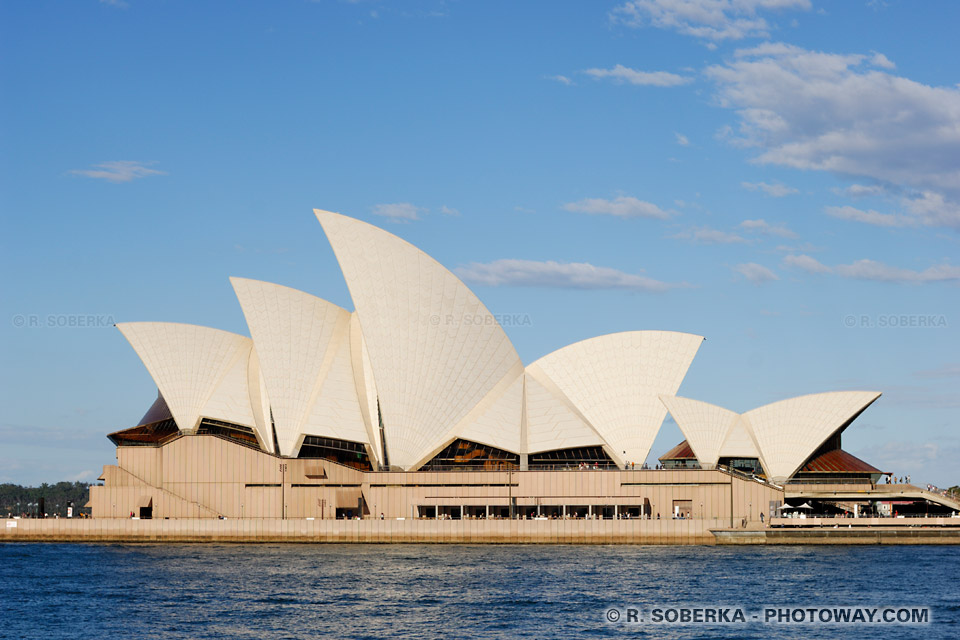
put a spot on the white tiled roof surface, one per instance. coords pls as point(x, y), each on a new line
point(615, 381)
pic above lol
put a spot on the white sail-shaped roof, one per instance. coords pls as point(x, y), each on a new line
point(260, 403)
point(435, 349)
point(298, 338)
point(188, 363)
point(704, 425)
point(615, 381)
point(230, 401)
point(366, 387)
point(495, 421)
point(335, 411)
point(738, 443)
point(552, 423)
point(790, 431)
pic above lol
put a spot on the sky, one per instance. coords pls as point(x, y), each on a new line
point(779, 176)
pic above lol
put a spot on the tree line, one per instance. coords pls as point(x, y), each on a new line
point(18, 500)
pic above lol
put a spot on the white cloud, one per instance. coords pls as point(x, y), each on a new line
point(945, 371)
point(881, 61)
point(755, 273)
point(565, 275)
point(449, 211)
point(81, 476)
point(682, 140)
point(876, 271)
point(861, 191)
point(622, 207)
point(398, 212)
point(621, 74)
point(706, 235)
point(775, 190)
point(763, 227)
point(561, 79)
point(118, 171)
point(805, 263)
point(870, 217)
point(713, 20)
point(847, 114)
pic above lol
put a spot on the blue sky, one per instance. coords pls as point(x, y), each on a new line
point(780, 176)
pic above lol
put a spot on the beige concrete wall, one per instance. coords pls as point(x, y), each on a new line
point(207, 476)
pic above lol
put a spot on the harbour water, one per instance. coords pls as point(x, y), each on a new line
point(459, 591)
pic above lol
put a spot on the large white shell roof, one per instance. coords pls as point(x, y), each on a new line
point(432, 364)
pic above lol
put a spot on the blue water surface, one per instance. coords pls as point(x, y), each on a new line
point(459, 591)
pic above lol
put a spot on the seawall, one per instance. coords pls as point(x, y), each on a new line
point(653, 532)
point(677, 532)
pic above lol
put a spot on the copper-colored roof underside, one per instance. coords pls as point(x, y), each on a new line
point(680, 452)
point(157, 412)
point(837, 461)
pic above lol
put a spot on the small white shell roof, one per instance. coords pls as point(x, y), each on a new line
point(615, 382)
point(303, 344)
point(496, 420)
point(431, 362)
point(195, 368)
point(704, 425)
point(552, 423)
point(790, 431)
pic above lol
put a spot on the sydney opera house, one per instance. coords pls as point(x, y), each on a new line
point(416, 405)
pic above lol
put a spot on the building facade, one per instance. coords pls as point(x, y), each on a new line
point(417, 405)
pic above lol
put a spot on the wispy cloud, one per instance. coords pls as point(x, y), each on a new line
point(118, 171)
point(756, 273)
point(398, 211)
point(870, 217)
point(621, 74)
point(682, 140)
point(775, 190)
point(119, 4)
point(946, 371)
point(764, 228)
point(876, 271)
point(860, 190)
point(805, 263)
point(713, 20)
point(706, 235)
point(622, 207)
point(561, 79)
point(449, 211)
point(563, 275)
point(873, 270)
